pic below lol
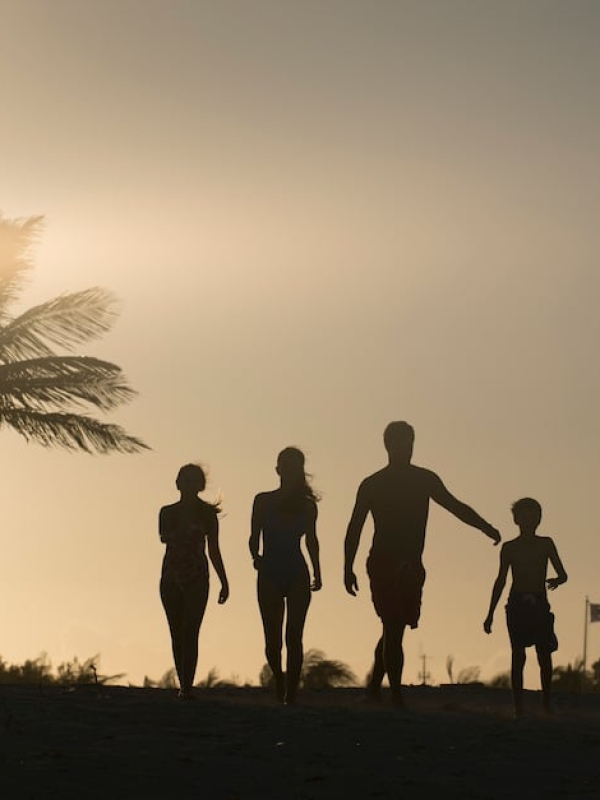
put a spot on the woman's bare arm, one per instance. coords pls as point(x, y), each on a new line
point(214, 553)
point(256, 529)
point(312, 545)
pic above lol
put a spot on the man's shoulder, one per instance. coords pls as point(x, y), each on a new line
point(424, 474)
point(412, 471)
point(169, 509)
point(374, 479)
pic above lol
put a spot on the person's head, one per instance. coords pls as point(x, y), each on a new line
point(191, 479)
point(399, 439)
point(527, 513)
point(290, 468)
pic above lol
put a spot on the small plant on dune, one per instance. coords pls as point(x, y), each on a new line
point(167, 681)
point(69, 673)
point(75, 672)
point(36, 671)
point(500, 681)
point(265, 677)
point(318, 672)
point(213, 681)
point(469, 675)
point(450, 667)
point(571, 678)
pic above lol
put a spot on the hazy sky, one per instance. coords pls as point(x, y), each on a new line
point(319, 216)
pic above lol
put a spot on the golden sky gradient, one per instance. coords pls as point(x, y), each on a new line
point(319, 217)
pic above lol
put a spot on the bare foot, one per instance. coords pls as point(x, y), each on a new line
point(280, 688)
point(373, 695)
point(398, 699)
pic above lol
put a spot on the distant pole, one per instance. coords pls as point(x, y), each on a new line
point(424, 674)
point(585, 630)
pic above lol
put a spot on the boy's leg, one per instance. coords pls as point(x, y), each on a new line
point(393, 657)
point(516, 676)
point(545, 662)
point(377, 674)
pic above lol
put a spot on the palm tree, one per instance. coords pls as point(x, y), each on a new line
point(44, 395)
point(319, 672)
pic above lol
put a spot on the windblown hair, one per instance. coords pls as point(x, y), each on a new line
point(290, 463)
point(194, 476)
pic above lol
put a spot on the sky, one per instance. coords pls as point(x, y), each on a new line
point(318, 217)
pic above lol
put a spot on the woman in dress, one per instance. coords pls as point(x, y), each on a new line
point(281, 518)
point(185, 527)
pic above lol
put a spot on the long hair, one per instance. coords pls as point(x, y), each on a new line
point(193, 476)
point(290, 466)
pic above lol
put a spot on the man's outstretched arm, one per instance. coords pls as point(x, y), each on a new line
point(461, 511)
point(351, 542)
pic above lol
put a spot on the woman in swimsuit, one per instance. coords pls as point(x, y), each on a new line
point(283, 517)
point(184, 527)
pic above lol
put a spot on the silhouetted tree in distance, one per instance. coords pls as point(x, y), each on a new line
point(44, 395)
point(318, 672)
point(69, 673)
point(469, 675)
point(500, 681)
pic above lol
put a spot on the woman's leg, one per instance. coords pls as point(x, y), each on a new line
point(172, 600)
point(298, 601)
point(195, 597)
point(271, 604)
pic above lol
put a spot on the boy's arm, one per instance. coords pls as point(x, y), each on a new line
point(561, 575)
point(461, 511)
point(351, 542)
point(499, 584)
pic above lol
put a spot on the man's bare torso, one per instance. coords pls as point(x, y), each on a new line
point(398, 499)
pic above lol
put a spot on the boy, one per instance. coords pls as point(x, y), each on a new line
point(528, 615)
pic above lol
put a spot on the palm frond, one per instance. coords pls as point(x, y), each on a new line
point(70, 431)
point(66, 321)
point(17, 237)
point(61, 381)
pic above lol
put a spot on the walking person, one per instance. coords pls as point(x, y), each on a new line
point(187, 527)
point(397, 497)
point(529, 619)
point(280, 520)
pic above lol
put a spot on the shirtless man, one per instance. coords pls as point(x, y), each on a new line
point(398, 499)
point(528, 615)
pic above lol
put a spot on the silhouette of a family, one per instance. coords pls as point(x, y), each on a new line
point(397, 497)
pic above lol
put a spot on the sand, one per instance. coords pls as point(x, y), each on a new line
point(454, 742)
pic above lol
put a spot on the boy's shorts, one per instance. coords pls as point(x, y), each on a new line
point(530, 622)
point(396, 588)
